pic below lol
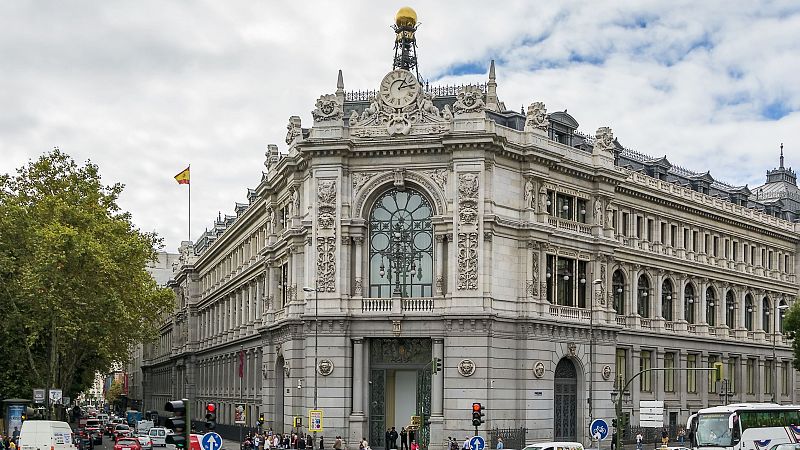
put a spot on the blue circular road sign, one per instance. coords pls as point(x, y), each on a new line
point(599, 428)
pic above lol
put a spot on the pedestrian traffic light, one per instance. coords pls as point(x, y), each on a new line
point(477, 414)
point(614, 423)
point(211, 416)
point(178, 423)
point(436, 365)
point(261, 420)
point(718, 375)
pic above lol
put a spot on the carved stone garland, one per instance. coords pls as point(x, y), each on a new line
point(468, 184)
point(326, 236)
point(382, 119)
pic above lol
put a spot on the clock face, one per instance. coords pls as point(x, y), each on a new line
point(399, 88)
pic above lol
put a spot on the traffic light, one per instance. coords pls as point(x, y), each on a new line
point(24, 417)
point(297, 422)
point(436, 365)
point(261, 420)
point(178, 423)
point(211, 416)
point(614, 423)
point(718, 375)
point(477, 414)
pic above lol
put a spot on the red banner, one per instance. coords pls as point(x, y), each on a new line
point(241, 363)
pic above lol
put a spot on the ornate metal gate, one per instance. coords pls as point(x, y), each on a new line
point(565, 406)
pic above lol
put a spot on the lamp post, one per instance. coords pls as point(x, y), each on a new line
point(779, 309)
point(316, 336)
point(597, 284)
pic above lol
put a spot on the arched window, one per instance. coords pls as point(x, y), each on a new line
point(643, 297)
point(766, 308)
point(666, 300)
point(618, 285)
point(401, 245)
point(711, 306)
point(748, 312)
point(730, 309)
point(688, 303)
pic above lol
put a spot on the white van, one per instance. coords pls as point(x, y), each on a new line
point(45, 435)
point(554, 446)
point(103, 418)
point(158, 436)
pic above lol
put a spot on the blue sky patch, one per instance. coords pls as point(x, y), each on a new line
point(776, 110)
point(467, 68)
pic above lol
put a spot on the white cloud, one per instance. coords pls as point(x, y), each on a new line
point(145, 88)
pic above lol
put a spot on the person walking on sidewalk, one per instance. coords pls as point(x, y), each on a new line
point(639, 439)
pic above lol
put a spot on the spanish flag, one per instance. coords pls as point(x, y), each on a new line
point(183, 177)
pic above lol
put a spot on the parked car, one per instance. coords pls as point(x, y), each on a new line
point(127, 443)
point(158, 436)
point(145, 442)
point(121, 431)
point(84, 443)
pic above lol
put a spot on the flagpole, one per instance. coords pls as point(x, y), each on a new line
point(241, 393)
point(190, 204)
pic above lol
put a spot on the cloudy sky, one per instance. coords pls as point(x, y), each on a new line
point(144, 88)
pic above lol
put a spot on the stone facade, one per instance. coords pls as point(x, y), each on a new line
point(542, 238)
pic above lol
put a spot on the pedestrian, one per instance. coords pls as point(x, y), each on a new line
point(453, 443)
point(465, 446)
point(388, 438)
point(664, 437)
point(681, 436)
point(337, 444)
point(321, 445)
point(309, 441)
point(393, 438)
point(301, 442)
point(499, 443)
point(403, 438)
point(639, 438)
point(414, 445)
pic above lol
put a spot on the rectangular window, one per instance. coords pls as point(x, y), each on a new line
point(565, 281)
point(716, 246)
point(566, 206)
point(751, 376)
point(706, 243)
point(621, 372)
point(673, 235)
point(786, 263)
point(763, 258)
point(752, 255)
point(663, 232)
point(551, 198)
point(691, 375)
point(614, 222)
point(694, 241)
point(650, 230)
point(726, 251)
point(645, 380)
point(769, 373)
point(746, 253)
point(550, 270)
point(769, 261)
point(712, 383)
point(669, 375)
point(686, 237)
point(625, 224)
point(785, 378)
point(581, 210)
point(582, 282)
point(638, 227)
point(284, 284)
point(731, 375)
point(735, 251)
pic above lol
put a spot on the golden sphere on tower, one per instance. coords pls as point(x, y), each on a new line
point(405, 16)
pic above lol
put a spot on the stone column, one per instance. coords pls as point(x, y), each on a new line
point(358, 282)
point(437, 384)
point(440, 257)
point(658, 312)
point(681, 380)
point(358, 374)
point(702, 377)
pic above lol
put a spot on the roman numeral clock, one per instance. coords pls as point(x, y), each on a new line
point(399, 88)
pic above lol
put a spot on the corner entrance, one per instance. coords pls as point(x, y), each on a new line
point(399, 387)
point(565, 407)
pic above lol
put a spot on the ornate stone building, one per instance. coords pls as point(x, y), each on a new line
point(542, 265)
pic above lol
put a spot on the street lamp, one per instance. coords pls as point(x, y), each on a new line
point(316, 336)
point(596, 283)
point(779, 309)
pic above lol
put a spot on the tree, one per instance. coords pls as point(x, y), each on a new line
point(74, 291)
point(113, 392)
point(791, 326)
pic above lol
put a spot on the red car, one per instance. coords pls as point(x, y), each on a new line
point(121, 431)
point(126, 443)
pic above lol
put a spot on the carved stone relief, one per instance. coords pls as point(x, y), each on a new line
point(360, 179)
point(439, 176)
point(325, 367)
point(382, 119)
point(536, 118)
point(538, 369)
point(294, 129)
point(535, 274)
point(604, 142)
point(468, 100)
point(327, 108)
point(529, 193)
point(466, 367)
point(467, 261)
point(326, 236)
point(468, 198)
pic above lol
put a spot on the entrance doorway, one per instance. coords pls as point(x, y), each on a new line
point(277, 421)
point(399, 387)
point(565, 407)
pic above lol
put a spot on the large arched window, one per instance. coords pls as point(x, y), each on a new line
point(401, 245)
point(730, 309)
point(748, 312)
point(666, 300)
point(643, 297)
point(688, 303)
point(618, 285)
point(766, 307)
point(711, 306)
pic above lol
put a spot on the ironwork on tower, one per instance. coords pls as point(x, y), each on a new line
point(405, 42)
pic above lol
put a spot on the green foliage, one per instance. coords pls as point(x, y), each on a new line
point(113, 392)
point(791, 326)
point(74, 292)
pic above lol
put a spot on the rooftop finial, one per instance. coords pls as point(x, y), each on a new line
point(340, 81)
point(781, 155)
point(491, 71)
point(405, 41)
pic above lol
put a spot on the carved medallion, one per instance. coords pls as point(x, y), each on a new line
point(572, 348)
point(466, 367)
point(325, 367)
point(606, 372)
point(538, 369)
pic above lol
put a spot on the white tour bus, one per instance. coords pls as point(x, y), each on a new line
point(744, 426)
